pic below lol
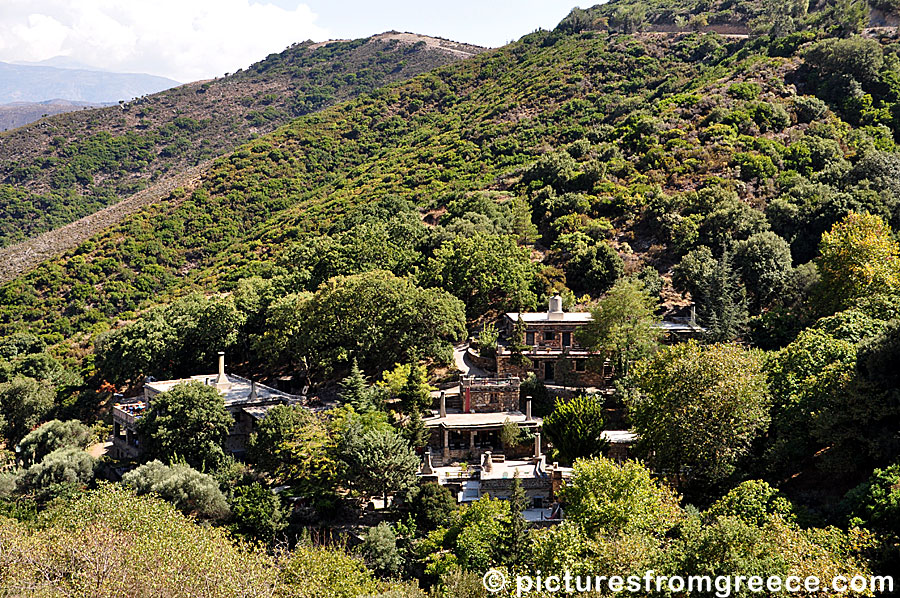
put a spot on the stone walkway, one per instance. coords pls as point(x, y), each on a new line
point(464, 364)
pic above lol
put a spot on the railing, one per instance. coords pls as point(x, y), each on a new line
point(127, 414)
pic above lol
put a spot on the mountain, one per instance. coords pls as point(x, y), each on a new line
point(19, 114)
point(63, 168)
point(653, 142)
point(33, 83)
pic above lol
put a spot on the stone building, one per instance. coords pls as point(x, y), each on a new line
point(550, 340)
point(553, 353)
point(245, 400)
point(469, 423)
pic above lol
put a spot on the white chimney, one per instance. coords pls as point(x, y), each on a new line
point(221, 379)
point(555, 312)
point(537, 445)
point(443, 404)
point(528, 417)
point(428, 466)
point(253, 394)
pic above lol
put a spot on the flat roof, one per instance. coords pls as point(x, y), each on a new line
point(235, 392)
point(620, 436)
point(544, 317)
point(470, 421)
point(501, 470)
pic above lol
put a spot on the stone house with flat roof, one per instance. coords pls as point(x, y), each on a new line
point(245, 400)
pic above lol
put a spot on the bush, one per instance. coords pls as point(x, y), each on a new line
point(745, 90)
point(256, 512)
point(755, 166)
point(379, 548)
point(809, 108)
point(54, 435)
point(192, 492)
point(68, 466)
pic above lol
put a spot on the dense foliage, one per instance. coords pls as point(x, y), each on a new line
point(71, 165)
point(736, 162)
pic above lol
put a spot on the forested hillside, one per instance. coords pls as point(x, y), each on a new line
point(65, 167)
point(641, 159)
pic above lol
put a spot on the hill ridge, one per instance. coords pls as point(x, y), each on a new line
point(18, 259)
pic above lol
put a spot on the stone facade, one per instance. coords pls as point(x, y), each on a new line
point(489, 395)
point(553, 354)
point(246, 401)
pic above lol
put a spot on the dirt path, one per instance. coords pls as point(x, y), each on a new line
point(22, 257)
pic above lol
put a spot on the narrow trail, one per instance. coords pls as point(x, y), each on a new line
point(20, 258)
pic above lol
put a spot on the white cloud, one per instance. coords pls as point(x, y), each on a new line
point(185, 40)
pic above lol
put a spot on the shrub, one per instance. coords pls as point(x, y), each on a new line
point(54, 435)
point(192, 492)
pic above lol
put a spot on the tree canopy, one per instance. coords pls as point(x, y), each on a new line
point(697, 409)
point(187, 422)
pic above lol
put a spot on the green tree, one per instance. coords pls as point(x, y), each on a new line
point(23, 404)
point(697, 409)
point(511, 435)
point(754, 502)
point(764, 264)
point(171, 341)
point(432, 506)
point(381, 462)
point(103, 543)
point(192, 492)
point(51, 436)
point(294, 446)
point(415, 394)
point(256, 512)
point(355, 390)
point(379, 548)
point(605, 496)
point(414, 430)
point(815, 366)
point(188, 422)
point(514, 537)
point(575, 428)
point(484, 271)
point(859, 258)
point(376, 317)
point(591, 266)
point(623, 325)
point(724, 307)
point(876, 502)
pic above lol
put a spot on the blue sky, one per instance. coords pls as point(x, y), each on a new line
point(188, 40)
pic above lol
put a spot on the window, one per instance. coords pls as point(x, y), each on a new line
point(566, 339)
point(549, 336)
point(529, 338)
point(580, 365)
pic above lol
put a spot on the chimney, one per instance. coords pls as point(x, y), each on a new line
point(528, 417)
point(427, 467)
point(693, 315)
point(253, 394)
point(488, 462)
point(537, 445)
point(221, 379)
point(443, 404)
point(555, 312)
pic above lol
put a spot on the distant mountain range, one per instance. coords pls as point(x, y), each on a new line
point(19, 114)
point(35, 83)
